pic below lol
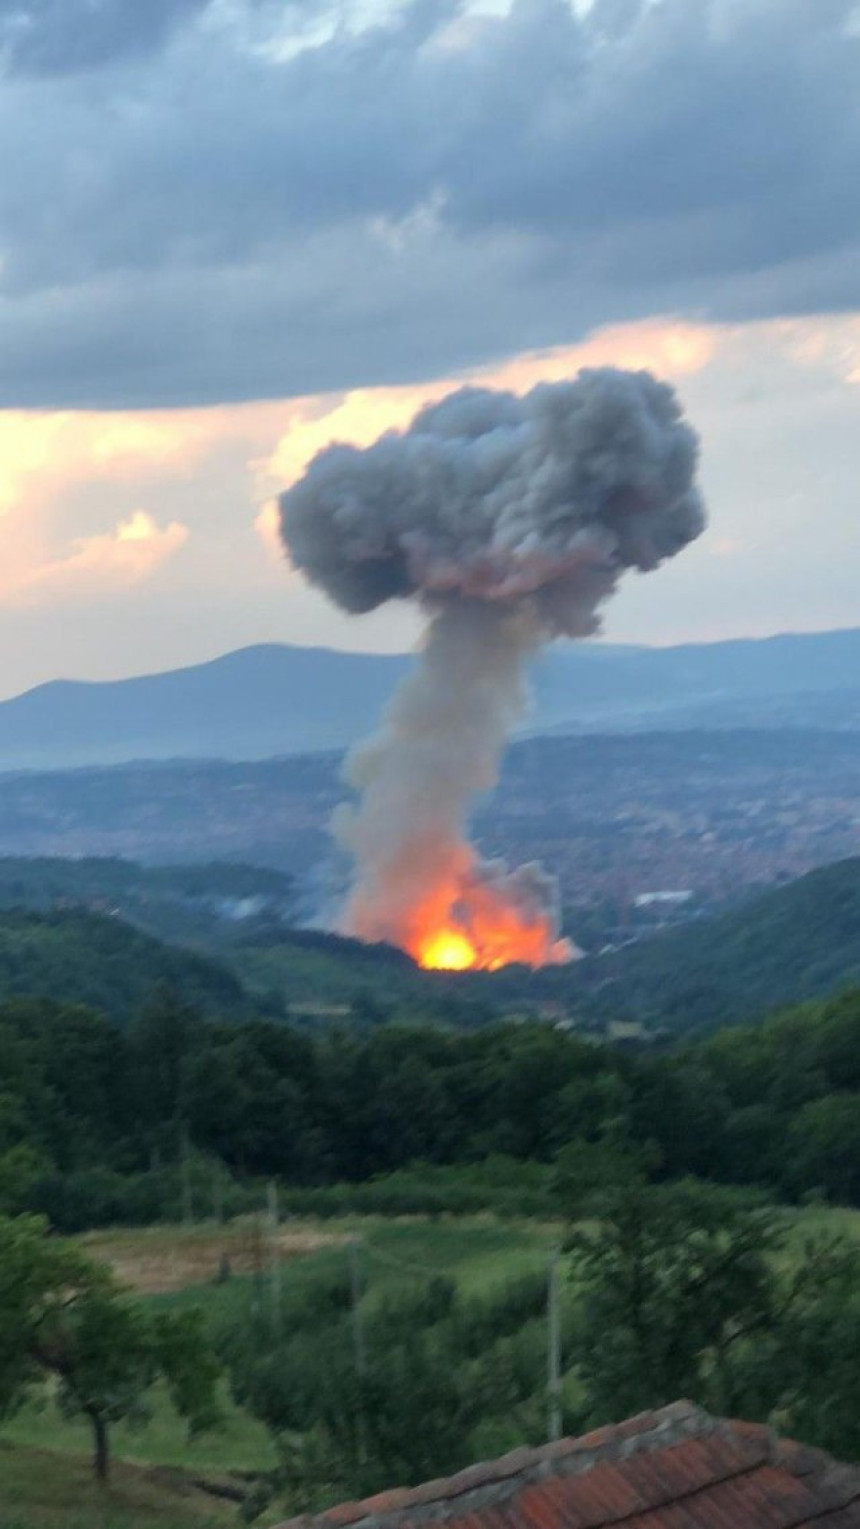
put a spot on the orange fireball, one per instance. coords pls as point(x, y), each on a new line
point(447, 950)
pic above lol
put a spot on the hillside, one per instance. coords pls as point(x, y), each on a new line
point(278, 700)
point(221, 935)
point(76, 956)
point(189, 904)
point(801, 941)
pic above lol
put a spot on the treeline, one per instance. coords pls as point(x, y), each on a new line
point(110, 1121)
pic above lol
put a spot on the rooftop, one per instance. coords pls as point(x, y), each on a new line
point(677, 1468)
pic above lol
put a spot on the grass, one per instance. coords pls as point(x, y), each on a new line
point(477, 1251)
point(43, 1490)
point(241, 1444)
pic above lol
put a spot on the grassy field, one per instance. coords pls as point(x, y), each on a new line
point(42, 1489)
point(159, 1259)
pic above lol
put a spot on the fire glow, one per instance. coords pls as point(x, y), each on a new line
point(450, 950)
point(447, 950)
point(478, 927)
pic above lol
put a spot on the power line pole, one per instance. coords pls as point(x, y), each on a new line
point(274, 1259)
point(360, 1350)
point(185, 1172)
point(553, 1352)
point(357, 1327)
point(217, 1195)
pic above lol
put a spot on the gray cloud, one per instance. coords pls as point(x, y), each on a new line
point(50, 37)
point(216, 218)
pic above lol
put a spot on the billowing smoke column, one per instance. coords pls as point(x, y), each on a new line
point(511, 520)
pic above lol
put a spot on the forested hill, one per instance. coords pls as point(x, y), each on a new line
point(80, 957)
point(220, 935)
point(224, 968)
point(798, 942)
point(194, 904)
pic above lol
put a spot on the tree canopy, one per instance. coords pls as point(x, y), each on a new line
point(63, 1316)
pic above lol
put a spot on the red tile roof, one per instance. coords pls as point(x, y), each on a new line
point(678, 1468)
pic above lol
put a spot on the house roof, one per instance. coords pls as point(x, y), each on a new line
point(678, 1468)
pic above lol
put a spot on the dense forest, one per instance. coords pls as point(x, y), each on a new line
point(113, 1118)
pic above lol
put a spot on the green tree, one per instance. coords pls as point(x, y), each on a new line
point(802, 1373)
point(669, 1281)
point(823, 1147)
point(694, 1291)
point(64, 1316)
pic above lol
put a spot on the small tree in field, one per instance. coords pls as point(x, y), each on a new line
point(65, 1316)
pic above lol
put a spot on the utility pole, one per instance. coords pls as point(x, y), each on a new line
point(360, 1351)
point(553, 1351)
point(274, 1259)
point(185, 1172)
point(257, 1255)
point(357, 1329)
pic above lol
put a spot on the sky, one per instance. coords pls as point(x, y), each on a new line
point(232, 231)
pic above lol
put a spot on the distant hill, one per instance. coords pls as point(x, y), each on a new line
point(108, 932)
point(278, 700)
point(252, 704)
point(190, 904)
point(799, 942)
point(89, 958)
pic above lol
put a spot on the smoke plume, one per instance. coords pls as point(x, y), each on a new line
point(511, 520)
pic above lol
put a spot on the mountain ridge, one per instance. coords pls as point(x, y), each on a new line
point(275, 699)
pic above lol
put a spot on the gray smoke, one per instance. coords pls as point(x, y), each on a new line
point(511, 520)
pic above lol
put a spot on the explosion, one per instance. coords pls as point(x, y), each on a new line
point(446, 950)
point(511, 521)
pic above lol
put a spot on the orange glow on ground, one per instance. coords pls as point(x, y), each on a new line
point(488, 947)
point(447, 950)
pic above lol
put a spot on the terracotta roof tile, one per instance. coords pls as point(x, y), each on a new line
point(677, 1468)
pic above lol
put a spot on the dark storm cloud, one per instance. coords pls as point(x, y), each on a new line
point(206, 216)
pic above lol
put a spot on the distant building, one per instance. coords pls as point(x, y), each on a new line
point(677, 1468)
point(662, 899)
